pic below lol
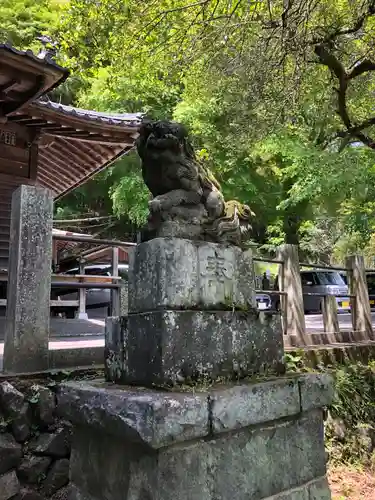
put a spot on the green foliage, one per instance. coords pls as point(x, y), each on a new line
point(355, 393)
point(22, 21)
point(243, 77)
point(350, 428)
point(130, 195)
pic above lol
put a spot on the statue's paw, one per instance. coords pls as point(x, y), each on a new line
point(155, 205)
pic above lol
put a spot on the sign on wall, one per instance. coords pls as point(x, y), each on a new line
point(14, 151)
point(8, 137)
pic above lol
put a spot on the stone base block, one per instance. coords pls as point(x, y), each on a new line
point(172, 273)
point(116, 332)
point(167, 347)
point(239, 443)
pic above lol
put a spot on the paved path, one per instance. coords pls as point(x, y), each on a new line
point(69, 327)
point(314, 322)
point(66, 343)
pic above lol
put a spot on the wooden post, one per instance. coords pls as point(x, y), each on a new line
point(292, 309)
point(360, 304)
point(115, 292)
point(29, 281)
point(330, 316)
point(82, 314)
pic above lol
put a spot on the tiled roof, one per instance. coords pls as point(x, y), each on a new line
point(45, 61)
point(129, 119)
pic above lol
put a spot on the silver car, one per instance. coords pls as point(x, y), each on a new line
point(317, 283)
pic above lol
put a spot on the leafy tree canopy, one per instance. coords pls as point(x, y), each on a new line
point(277, 95)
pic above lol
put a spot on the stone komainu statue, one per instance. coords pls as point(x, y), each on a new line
point(187, 202)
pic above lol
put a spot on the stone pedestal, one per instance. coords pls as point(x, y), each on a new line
point(192, 315)
point(260, 441)
point(192, 325)
point(170, 273)
point(171, 347)
point(29, 281)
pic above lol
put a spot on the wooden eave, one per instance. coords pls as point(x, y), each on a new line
point(74, 145)
point(24, 77)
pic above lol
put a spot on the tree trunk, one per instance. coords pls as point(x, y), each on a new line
point(291, 225)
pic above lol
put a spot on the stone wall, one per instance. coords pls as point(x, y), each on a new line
point(34, 444)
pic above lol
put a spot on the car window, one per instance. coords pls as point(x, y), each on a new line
point(329, 278)
point(98, 271)
point(371, 283)
point(308, 278)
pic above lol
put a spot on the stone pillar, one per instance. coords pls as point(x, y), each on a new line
point(29, 281)
point(82, 294)
point(330, 317)
point(292, 308)
point(114, 351)
point(124, 299)
point(360, 304)
point(115, 292)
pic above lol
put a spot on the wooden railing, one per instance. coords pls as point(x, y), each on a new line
point(83, 282)
point(292, 301)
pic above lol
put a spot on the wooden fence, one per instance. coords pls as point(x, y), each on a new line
point(292, 302)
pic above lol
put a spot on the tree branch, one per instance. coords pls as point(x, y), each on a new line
point(358, 25)
point(353, 131)
point(334, 65)
point(361, 68)
point(327, 58)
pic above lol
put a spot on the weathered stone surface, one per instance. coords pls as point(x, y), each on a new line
point(279, 457)
point(152, 418)
point(116, 332)
point(124, 299)
point(171, 273)
point(252, 404)
point(16, 411)
point(251, 463)
point(29, 282)
point(175, 346)
point(292, 494)
point(9, 485)
point(182, 223)
point(33, 469)
point(57, 477)
point(28, 494)
point(160, 418)
point(73, 493)
point(45, 405)
point(11, 400)
point(65, 493)
point(56, 445)
point(319, 489)
point(21, 423)
point(316, 391)
point(10, 453)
